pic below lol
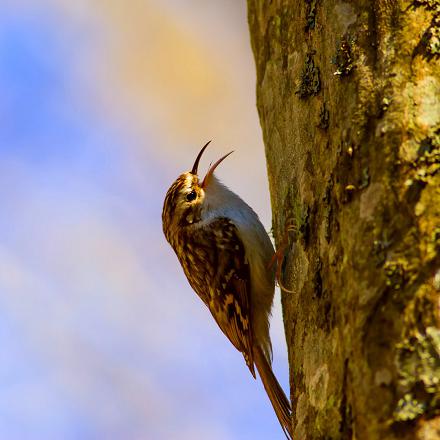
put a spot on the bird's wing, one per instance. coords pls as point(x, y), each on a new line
point(229, 292)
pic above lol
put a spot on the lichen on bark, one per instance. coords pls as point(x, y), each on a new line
point(348, 96)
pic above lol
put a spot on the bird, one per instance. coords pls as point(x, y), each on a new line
point(225, 253)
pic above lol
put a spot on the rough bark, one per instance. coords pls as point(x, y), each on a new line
point(348, 96)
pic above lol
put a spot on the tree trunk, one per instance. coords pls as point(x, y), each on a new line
point(348, 96)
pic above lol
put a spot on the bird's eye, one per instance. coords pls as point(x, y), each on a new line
point(191, 196)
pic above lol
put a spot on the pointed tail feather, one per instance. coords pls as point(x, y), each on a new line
point(279, 401)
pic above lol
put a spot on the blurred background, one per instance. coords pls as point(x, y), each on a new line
point(103, 104)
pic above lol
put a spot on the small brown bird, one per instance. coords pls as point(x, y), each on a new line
point(225, 252)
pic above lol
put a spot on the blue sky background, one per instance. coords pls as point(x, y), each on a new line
point(102, 105)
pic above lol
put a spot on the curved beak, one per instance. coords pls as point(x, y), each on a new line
point(196, 163)
point(212, 169)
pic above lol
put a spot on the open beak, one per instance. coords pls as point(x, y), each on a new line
point(196, 163)
point(212, 169)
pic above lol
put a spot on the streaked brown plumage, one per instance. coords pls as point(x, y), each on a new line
point(224, 251)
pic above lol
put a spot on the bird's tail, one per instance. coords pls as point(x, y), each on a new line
point(279, 401)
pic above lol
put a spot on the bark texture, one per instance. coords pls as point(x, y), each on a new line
point(348, 96)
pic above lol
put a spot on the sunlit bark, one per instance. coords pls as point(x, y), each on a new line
point(348, 95)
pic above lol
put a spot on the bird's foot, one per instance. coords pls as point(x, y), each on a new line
point(278, 256)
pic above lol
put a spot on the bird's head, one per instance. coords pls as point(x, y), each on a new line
point(188, 197)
